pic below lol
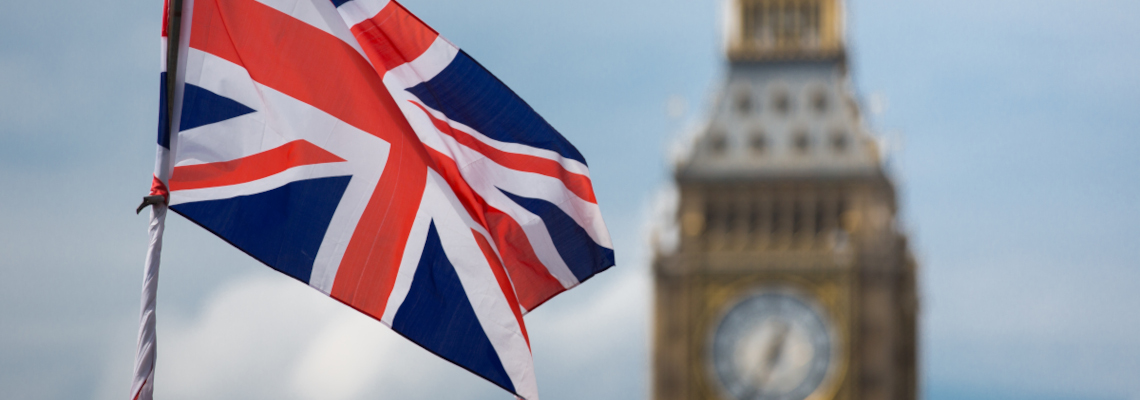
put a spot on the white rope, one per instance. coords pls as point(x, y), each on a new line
point(143, 386)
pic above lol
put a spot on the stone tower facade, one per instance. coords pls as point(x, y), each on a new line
point(791, 279)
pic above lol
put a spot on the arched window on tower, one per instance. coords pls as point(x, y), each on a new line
point(774, 221)
point(718, 142)
point(801, 141)
point(782, 24)
point(730, 216)
point(712, 217)
point(757, 24)
point(811, 29)
point(743, 101)
point(839, 141)
point(755, 217)
point(798, 217)
point(758, 142)
point(818, 219)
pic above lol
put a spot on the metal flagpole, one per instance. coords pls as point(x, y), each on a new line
point(143, 386)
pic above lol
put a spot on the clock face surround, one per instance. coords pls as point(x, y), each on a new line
point(773, 344)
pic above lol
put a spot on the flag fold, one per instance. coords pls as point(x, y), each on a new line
point(348, 145)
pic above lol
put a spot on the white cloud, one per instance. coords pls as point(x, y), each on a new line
point(590, 329)
point(356, 357)
point(243, 343)
point(267, 336)
point(342, 359)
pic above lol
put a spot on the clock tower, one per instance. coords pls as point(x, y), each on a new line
point(790, 279)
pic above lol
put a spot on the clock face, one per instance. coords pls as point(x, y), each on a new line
point(772, 346)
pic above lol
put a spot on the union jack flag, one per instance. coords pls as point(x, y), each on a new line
point(348, 145)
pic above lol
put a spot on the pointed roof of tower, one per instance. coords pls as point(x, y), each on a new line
point(787, 108)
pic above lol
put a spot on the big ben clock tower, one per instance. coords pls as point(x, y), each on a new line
point(790, 279)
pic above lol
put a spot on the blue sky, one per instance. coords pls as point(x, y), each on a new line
point(1015, 125)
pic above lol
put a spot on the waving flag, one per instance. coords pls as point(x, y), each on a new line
point(348, 145)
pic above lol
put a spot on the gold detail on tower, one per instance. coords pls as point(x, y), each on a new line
point(786, 30)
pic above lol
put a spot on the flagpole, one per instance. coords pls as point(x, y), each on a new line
point(142, 387)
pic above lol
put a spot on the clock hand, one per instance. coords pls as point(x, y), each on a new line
point(775, 352)
point(760, 373)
